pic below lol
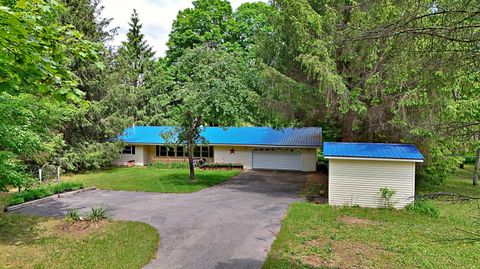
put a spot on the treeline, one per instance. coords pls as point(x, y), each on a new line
point(365, 71)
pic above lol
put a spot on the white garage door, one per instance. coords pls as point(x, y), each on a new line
point(281, 159)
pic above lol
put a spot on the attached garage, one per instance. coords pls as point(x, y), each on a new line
point(358, 172)
point(278, 159)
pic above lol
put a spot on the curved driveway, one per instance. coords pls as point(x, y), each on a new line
point(231, 225)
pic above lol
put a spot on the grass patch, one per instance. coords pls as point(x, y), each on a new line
point(460, 183)
point(40, 242)
point(151, 179)
point(320, 236)
point(36, 242)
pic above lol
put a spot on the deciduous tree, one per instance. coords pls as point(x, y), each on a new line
point(37, 87)
point(211, 90)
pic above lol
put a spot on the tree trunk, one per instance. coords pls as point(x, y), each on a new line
point(190, 162)
point(475, 169)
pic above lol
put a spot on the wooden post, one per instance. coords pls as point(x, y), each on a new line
point(475, 169)
point(40, 174)
point(58, 173)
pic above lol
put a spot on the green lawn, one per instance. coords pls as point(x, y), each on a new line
point(152, 179)
point(460, 182)
point(39, 242)
point(320, 236)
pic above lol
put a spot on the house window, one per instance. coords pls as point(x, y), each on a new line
point(171, 152)
point(180, 151)
point(196, 151)
point(211, 152)
point(205, 152)
point(129, 150)
point(161, 151)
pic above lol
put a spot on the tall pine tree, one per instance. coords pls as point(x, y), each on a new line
point(143, 81)
point(136, 54)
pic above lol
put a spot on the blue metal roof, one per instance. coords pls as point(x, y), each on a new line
point(372, 150)
point(261, 136)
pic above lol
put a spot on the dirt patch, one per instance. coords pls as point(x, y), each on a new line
point(348, 254)
point(315, 188)
point(356, 221)
point(314, 260)
point(80, 227)
point(315, 179)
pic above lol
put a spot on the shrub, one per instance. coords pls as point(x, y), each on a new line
point(91, 155)
point(16, 201)
point(317, 189)
point(221, 165)
point(387, 194)
point(424, 207)
point(66, 186)
point(170, 165)
point(98, 214)
point(44, 191)
point(73, 215)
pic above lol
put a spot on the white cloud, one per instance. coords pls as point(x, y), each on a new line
point(156, 16)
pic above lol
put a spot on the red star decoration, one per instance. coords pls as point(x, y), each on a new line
point(232, 151)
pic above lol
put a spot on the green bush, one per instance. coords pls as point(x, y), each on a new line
point(44, 191)
point(16, 201)
point(424, 207)
point(470, 159)
point(316, 189)
point(66, 186)
point(220, 165)
point(170, 165)
point(387, 194)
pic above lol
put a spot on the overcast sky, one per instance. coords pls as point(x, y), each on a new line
point(156, 16)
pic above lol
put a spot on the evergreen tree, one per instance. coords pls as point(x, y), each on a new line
point(140, 83)
point(136, 54)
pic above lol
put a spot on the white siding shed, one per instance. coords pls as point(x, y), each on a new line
point(357, 172)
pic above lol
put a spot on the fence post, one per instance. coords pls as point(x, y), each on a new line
point(58, 173)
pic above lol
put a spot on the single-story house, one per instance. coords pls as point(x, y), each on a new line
point(357, 172)
point(253, 147)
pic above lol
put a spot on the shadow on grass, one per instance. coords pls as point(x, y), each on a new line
point(16, 229)
point(290, 263)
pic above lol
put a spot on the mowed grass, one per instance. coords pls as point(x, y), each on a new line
point(150, 179)
point(460, 182)
point(320, 236)
point(40, 242)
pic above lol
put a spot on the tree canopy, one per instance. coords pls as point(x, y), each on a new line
point(398, 71)
point(38, 90)
point(386, 72)
point(211, 91)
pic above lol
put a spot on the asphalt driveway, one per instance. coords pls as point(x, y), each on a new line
point(228, 226)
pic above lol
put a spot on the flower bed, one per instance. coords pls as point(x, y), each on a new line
point(44, 191)
point(222, 166)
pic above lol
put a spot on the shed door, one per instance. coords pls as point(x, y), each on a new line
point(278, 159)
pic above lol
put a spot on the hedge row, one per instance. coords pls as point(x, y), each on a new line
point(44, 191)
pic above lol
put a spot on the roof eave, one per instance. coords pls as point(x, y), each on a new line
point(373, 159)
point(230, 144)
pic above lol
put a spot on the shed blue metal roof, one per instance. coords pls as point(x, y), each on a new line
point(261, 136)
point(372, 150)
